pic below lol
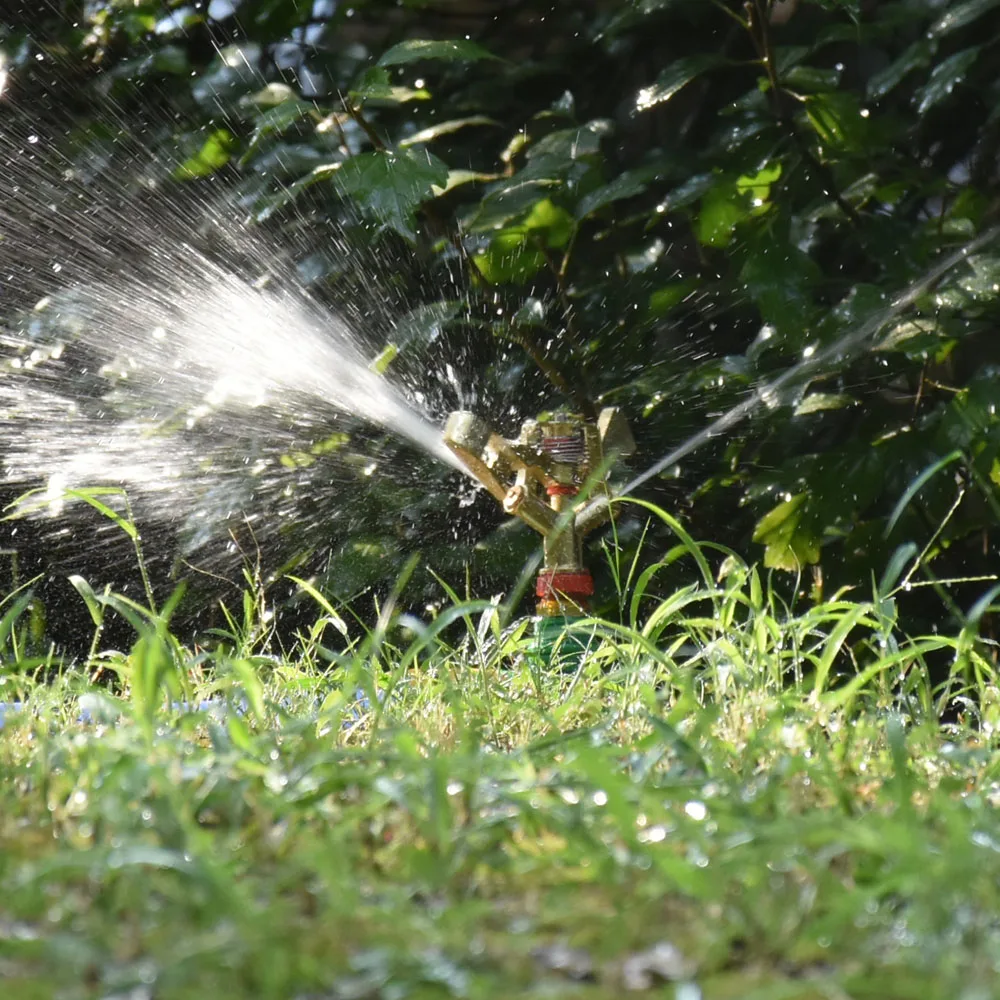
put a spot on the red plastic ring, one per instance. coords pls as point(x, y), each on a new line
point(550, 583)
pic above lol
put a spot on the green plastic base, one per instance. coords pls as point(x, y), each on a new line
point(560, 646)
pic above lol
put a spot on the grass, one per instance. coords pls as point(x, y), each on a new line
point(727, 799)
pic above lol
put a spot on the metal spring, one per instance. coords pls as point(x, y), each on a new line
point(569, 449)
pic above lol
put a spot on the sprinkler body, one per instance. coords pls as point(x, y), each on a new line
point(538, 477)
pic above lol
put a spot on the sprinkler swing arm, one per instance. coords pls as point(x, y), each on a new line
point(538, 477)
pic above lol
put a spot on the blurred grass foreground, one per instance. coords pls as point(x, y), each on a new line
point(728, 798)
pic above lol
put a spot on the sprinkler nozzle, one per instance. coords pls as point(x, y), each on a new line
point(514, 498)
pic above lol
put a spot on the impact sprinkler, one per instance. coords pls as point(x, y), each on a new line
point(538, 477)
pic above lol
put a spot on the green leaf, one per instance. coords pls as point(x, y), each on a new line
point(384, 94)
point(557, 223)
point(516, 253)
point(239, 734)
point(214, 154)
point(392, 185)
point(232, 74)
point(983, 284)
point(719, 216)
point(329, 444)
point(780, 279)
point(758, 185)
point(788, 543)
point(10, 618)
point(323, 602)
point(787, 57)
point(674, 79)
point(388, 354)
point(509, 258)
point(283, 160)
point(417, 49)
point(423, 325)
point(690, 191)
point(625, 185)
point(270, 96)
point(917, 485)
point(645, 256)
point(919, 54)
point(573, 143)
point(374, 87)
point(837, 120)
point(90, 496)
point(94, 605)
point(171, 60)
point(859, 306)
point(960, 15)
point(249, 679)
point(859, 192)
point(507, 203)
point(531, 312)
point(912, 336)
point(811, 79)
point(266, 207)
point(445, 128)
point(456, 178)
point(945, 77)
point(817, 402)
point(664, 299)
point(274, 121)
point(296, 460)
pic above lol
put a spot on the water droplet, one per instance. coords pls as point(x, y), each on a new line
point(696, 810)
point(653, 835)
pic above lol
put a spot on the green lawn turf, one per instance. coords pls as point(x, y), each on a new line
point(723, 801)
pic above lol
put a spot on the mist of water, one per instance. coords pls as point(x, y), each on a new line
point(155, 342)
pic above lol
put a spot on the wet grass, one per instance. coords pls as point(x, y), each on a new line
point(725, 799)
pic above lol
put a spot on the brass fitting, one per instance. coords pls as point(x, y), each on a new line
point(538, 477)
point(516, 496)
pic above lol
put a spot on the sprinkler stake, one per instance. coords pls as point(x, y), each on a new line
point(538, 477)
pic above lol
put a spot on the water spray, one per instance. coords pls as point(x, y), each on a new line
point(770, 393)
point(553, 477)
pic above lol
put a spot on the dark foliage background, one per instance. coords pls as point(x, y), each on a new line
point(657, 203)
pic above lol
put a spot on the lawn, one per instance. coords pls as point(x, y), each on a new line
point(728, 798)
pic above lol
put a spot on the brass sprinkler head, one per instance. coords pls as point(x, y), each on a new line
point(538, 477)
